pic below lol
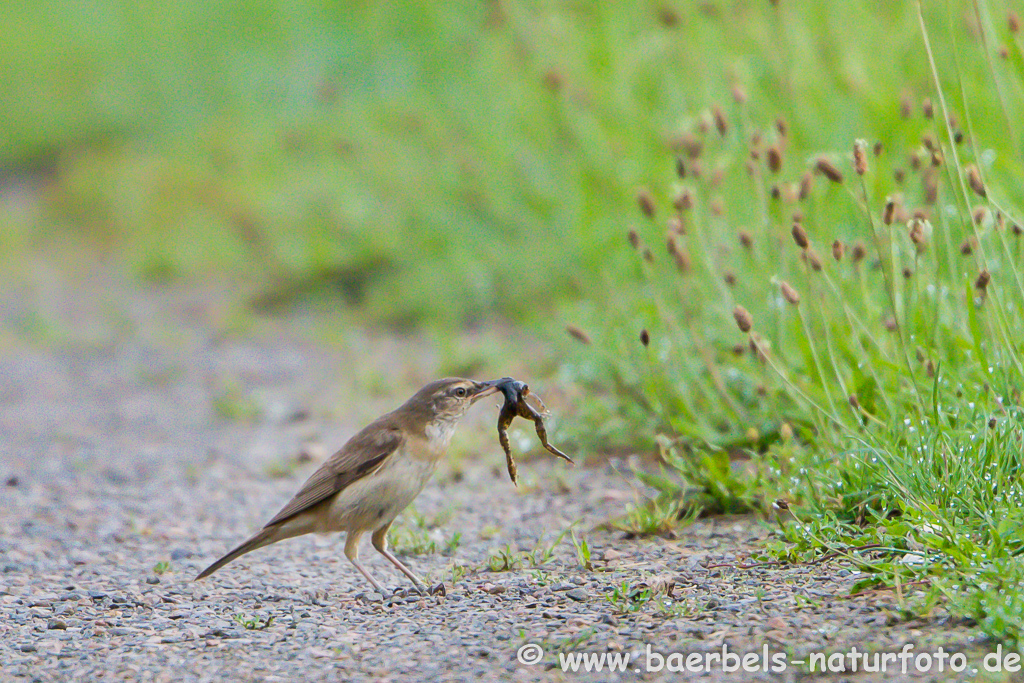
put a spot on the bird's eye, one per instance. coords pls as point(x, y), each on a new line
point(460, 392)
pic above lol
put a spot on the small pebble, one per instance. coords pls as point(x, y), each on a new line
point(56, 624)
point(578, 594)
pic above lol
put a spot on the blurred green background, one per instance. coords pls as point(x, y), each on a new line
point(428, 162)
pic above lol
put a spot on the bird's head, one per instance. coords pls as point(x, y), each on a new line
point(444, 401)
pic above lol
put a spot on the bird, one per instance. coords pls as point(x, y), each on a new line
point(377, 473)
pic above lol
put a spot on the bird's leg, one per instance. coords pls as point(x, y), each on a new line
point(380, 542)
point(352, 553)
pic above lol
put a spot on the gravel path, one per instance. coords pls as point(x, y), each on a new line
point(143, 434)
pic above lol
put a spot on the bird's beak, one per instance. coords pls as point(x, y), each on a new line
point(482, 389)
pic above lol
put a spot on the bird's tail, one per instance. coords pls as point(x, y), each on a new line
point(257, 540)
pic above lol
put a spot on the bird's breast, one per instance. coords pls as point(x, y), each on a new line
point(439, 435)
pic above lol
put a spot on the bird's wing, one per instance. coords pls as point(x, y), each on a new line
point(361, 456)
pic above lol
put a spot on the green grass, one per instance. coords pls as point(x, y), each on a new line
point(878, 394)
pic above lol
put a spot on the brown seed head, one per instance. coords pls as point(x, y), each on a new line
point(854, 401)
point(992, 423)
point(634, 238)
point(928, 142)
point(898, 175)
point(578, 334)
point(967, 246)
point(806, 185)
point(858, 252)
point(683, 201)
point(689, 144)
point(774, 158)
point(739, 95)
point(1013, 21)
point(743, 319)
point(838, 249)
point(828, 169)
point(813, 260)
point(648, 256)
point(889, 211)
point(937, 158)
point(1004, 52)
point(646, 203)
point(907, 272)
point(890, 324)
point(979, 214)
point(775, 192)
point(974, 180)
point(918, 235)
point(554, 80)
point(877, 149)
point(1016, 229)
point(926, 108)
point(789, 294)
point(680, 167)
point(738, 349)
point(914, 160)
point(931, 187)
point(860, 157)
point(800, 236)
point(905, 107)
point(781, 126)
point(721, 124)
point(983, 279)
point(667, 16)
point(679, 256)
point(729, 278)
point(746, 240)
point(645, 337)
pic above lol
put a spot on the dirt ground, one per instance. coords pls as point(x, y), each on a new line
point(144, 432)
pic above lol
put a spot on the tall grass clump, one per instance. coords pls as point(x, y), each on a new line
point(837, 331)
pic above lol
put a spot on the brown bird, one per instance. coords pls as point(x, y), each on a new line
point(376, 474)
